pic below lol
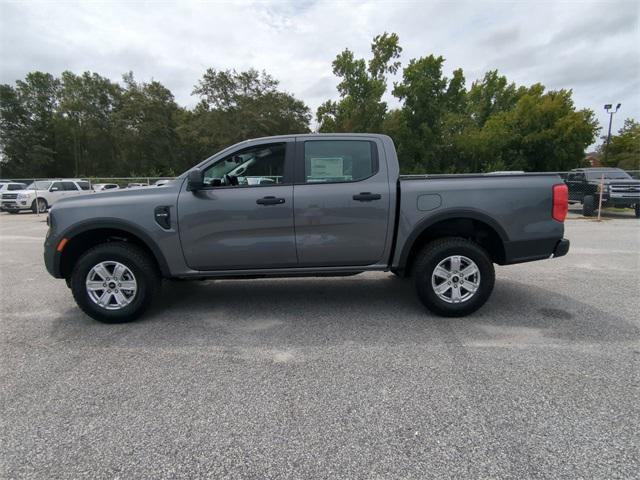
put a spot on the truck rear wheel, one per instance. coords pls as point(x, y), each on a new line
point(588, 206)
point(453, 276)
point(114, 282)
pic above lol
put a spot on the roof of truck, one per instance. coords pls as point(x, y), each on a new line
point(595, 169)
point(297, 135)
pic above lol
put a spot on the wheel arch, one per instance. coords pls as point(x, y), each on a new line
point(470, 224)
point(87, 234)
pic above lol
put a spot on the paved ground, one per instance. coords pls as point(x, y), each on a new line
point(328, 378)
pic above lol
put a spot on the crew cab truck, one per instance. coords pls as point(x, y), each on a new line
point(619, 189)
point(305, 205)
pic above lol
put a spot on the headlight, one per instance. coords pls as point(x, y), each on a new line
point(23, 196)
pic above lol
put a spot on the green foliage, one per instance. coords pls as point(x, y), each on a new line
point(624, 148)
point(236, 106)
point(88, 125)
point(28, 130)
point(441, 127)
point(362, 85)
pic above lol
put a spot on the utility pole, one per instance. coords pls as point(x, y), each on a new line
point(608, 109)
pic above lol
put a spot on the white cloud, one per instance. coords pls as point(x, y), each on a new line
point(590, 47)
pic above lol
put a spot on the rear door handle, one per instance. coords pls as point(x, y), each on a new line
point(367, 197)
point(270, 201)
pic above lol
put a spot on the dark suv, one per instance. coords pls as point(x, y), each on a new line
point(619, 189)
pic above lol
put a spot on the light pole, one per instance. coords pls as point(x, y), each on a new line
point(608, 108)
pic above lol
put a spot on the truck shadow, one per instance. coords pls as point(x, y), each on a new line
point(368, 310)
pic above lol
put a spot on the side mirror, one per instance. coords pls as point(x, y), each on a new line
point(195, 180)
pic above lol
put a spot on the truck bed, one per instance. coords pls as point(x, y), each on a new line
point(517, 207)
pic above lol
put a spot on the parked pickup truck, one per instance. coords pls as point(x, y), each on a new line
point(305, 205)
point(618, 189)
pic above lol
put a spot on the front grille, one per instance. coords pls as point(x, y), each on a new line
point(624, 189)
point(9, 196)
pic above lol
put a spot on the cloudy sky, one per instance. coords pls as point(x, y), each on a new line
point(590, 47)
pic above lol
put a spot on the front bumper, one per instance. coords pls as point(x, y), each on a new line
point(561, 248)
point(14, 206)
point(52, 258)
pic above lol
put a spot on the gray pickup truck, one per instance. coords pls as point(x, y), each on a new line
point(305, 205)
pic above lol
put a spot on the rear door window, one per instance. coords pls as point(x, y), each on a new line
point(69, 186)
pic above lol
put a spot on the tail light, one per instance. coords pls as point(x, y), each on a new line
point(560, 202)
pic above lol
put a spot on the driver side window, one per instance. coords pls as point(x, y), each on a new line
point(253, 166)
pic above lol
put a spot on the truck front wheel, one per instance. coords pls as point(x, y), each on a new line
point(114, 282)
point(453, 276)
point(588, 205)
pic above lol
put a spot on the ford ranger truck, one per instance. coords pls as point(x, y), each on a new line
point(304, 205)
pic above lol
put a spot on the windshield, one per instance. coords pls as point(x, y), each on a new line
point(609, 175)
point(38, 186)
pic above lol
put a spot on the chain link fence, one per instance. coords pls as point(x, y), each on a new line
point(599, 193)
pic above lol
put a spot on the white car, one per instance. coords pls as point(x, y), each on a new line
point(9, 186)
point(101, 187)
point(40, 195)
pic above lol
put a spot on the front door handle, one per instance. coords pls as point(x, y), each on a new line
point(270, 201)
point(367, 197)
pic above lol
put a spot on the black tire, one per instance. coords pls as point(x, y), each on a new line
point(39, 203)
point(13, 212)
point(437, 251)
point(135, 259)
point(589, 206)
point(637, 210)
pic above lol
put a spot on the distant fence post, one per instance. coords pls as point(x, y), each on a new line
point(35, 187)
point(600, 200)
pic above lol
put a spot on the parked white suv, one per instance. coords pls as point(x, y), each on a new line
point(40, 195)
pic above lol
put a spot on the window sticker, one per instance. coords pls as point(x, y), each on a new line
point(326, 167)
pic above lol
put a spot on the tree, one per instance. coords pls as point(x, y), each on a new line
point(423, 90)
point(146, 120)
point(86, 122)
point(27, 118)
point(235, 106)
point(362, 85)
point(492, 95)
point(542, 132)
point(624, 148)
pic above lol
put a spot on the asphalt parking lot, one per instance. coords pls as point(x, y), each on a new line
point(328, 378)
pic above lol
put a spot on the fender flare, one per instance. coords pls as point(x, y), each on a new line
point(453, 214)
point(125, 226)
